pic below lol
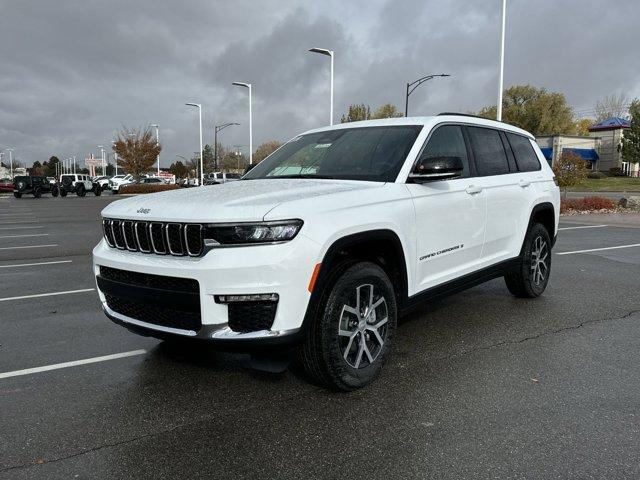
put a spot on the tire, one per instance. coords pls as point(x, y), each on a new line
point(80, 191)
point(332, 353)
point(37, 192)
point(17, 194)
point(531, 278)
point(97, 191)
point(63, 192)
point(55, 191)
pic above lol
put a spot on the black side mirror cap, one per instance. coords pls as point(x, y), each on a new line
point(436, 168)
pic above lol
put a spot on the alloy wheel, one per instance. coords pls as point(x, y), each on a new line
point(362, 328)
point(539, 263)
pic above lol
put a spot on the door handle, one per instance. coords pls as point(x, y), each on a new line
point(472, 189)
point(524, 183)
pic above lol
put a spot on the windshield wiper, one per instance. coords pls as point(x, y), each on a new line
point(302, 175)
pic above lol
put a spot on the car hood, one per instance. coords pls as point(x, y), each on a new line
point(243, 201)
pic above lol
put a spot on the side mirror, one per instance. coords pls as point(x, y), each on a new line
point(436, 168)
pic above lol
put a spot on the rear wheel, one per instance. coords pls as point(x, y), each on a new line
point(37, 192)
point(17, 194)
point(348, 341)
point(55, 191)
point(63, 192)
point(531, 278)
point(80, 191)
point(97, 191)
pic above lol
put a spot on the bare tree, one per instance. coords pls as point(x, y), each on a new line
point(612, 106)
point(137, 150)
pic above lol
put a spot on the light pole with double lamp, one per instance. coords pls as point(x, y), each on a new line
point(413, 85)
point(248, 85)
point(330, 54)
point(157, 127)
point(200, 117)
point(216, 129)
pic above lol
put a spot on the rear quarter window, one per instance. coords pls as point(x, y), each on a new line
point(526, 157)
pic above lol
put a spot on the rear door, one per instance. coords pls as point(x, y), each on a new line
point(450, 215)
point(504, 188)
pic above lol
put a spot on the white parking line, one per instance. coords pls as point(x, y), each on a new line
point(22, 236)
point(599, 249)
point(56, 366)
point(34, 264)
point(21, 228)
point(47, 294)
point(30, 246)
point(582, 226)
point(19, 221)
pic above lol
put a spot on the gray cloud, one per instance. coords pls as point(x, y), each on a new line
point(73, 72)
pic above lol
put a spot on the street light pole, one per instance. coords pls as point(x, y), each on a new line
point(157, 126)
point(115, 157)
point(248, 85)
point(501, 80)
point(74, 164)
point(413, 85)
point(200, 117)
point(216, 129)
point(102, 158)
point(330, 54)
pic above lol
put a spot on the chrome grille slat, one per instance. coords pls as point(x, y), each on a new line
point(161, 238)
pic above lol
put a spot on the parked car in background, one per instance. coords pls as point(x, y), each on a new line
point(103, 181)
point(36, 185)
point(325, 243)
point(151, 181)
point(118, 180)
point(216, 178)
point(6, 185)
point(78, 184)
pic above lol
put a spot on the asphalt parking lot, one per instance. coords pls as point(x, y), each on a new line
point(480, 385)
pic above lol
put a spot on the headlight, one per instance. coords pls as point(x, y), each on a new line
point(251, 233)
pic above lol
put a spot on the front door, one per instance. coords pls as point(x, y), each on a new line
point(450, 216)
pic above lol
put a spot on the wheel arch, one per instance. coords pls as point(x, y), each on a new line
point(544, 213)
point(381, 246)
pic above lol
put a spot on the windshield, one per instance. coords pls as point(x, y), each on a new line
point(365, 153)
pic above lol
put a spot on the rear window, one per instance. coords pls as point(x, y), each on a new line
point(488, 151)
point(526, 157)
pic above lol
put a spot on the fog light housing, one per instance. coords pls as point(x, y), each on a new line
point(253, 297)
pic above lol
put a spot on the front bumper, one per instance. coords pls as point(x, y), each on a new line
point(284, 269)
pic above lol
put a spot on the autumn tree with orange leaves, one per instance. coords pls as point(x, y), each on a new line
point(137, 150)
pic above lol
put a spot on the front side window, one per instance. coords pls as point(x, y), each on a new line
point(488, 151)
point(447, 141)
point(366, 153)
point(526, 157)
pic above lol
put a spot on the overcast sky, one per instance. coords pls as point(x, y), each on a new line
point(73, 72)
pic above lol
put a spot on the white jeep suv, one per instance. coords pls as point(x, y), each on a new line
point(324, 244)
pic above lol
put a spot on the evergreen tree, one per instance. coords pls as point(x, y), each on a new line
point(631, 138)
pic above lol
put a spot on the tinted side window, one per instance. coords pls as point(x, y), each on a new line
point(447, 141)
point(526, 157)
point(488, 151)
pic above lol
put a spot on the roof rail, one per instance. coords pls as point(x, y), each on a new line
point(463, 115)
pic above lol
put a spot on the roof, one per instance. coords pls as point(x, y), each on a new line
point(610, 124)
point(426, 121)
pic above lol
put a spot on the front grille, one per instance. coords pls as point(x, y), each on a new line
point(186, 285)
point(144, 298)
point(251, 316)
point(155, 315)
point(178, 239)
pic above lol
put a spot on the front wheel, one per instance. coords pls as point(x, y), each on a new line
point(37, 192)
point(17, 194)
point(348, 341)
point(97, 191)
point(55, 191)
point(531, 278)
point(63, 192)
point(80, 191)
